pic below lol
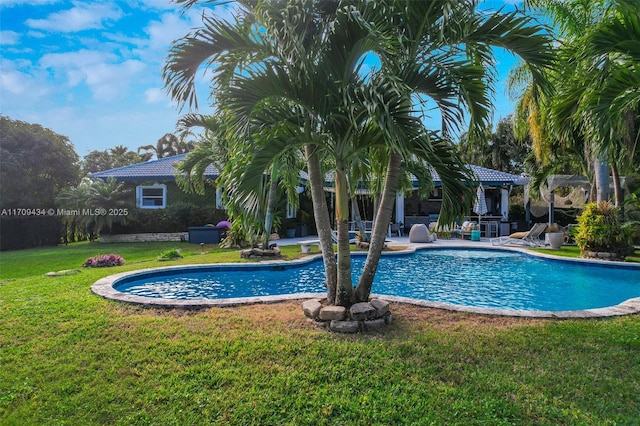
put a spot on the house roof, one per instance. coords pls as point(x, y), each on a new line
point(162, 169)
point(490, 177)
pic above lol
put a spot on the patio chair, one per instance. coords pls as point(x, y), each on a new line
point(530, 238)
point(334, 237)
point(465, 229)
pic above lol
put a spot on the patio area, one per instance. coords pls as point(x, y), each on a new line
point(403, 241)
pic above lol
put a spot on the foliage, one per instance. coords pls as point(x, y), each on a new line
point(167, 146)
point(37, 164)
point(517, 210)
point(237, 236)
point(600, 230)
point(499, 150)
point(591, 120)
point(170, 254)
point(98, 161)
point(632, 205)
point(103, 261)
point(302, 79)
point(29, 231)
point(95, 205)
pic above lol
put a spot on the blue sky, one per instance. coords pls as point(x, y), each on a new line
point(91, 70)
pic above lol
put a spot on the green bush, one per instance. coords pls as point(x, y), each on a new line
point(170, 254)
point(600, 229)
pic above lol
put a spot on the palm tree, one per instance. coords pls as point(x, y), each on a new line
point(592, 112)
point(297, 67)
point(614, 100)
point(168, 145)
point(99, 205)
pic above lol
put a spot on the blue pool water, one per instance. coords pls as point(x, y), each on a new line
point(467, 277)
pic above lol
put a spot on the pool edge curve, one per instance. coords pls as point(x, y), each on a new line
point(104, 288)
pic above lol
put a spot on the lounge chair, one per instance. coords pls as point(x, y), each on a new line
point(305, 246)
point(530, 238)
point(334, 237)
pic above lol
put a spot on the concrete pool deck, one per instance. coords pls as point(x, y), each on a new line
point(104, 287)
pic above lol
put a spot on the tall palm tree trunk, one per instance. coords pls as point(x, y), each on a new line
point(601, 171)
point(271, 204)
point(344, 287)
point(323, 222)
point(617, 187)
point(383, 217)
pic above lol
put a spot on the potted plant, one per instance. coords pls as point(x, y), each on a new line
point(555, 236)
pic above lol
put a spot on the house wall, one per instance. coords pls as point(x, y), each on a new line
point(182, 211)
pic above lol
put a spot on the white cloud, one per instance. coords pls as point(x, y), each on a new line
point(15, 83)
point(163, 32)
point(159, 4)
point(19, 85)
point(155, 95)
point(11, 3)
point(102, 73)
point(81, 16)
point(8, 38)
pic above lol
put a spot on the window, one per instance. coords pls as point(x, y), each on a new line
point(292, 211)
point(151, 197)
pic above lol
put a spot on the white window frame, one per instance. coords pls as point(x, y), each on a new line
point(142, 201)
point(292, 212)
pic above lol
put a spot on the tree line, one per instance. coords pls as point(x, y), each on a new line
point(40, 169)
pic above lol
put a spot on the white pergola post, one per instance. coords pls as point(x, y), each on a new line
point(400, 207)
point(504, 204)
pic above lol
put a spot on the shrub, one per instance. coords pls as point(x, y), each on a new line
point(171, 254)
point(600, 230)
point(103, 261)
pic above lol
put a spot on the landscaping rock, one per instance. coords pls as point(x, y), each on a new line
point(258, 252)
point(360, 317)
point(345, 326)
point(362, 311)
point(311, 308)
point(63, 273)
point(374, 324)
point(329, 313)
point(381, 307)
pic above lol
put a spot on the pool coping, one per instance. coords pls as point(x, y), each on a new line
point(104, 288)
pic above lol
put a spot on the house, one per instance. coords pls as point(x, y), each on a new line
point(411, 209)
point(156, 189)
point(160, 205)
point(153, 180)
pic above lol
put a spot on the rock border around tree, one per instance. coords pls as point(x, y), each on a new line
point(363, 316)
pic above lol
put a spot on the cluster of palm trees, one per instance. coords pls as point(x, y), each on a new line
point(168, 145)
point(94, 205)
point(589, 124)
point(292, 80)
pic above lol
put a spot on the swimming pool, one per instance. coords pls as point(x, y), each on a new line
point(495, 280)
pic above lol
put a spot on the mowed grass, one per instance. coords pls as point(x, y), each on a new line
point(574, 251)
point(70, 357)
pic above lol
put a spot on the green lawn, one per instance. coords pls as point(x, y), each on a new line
point(574, 251)
point(70, 357)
